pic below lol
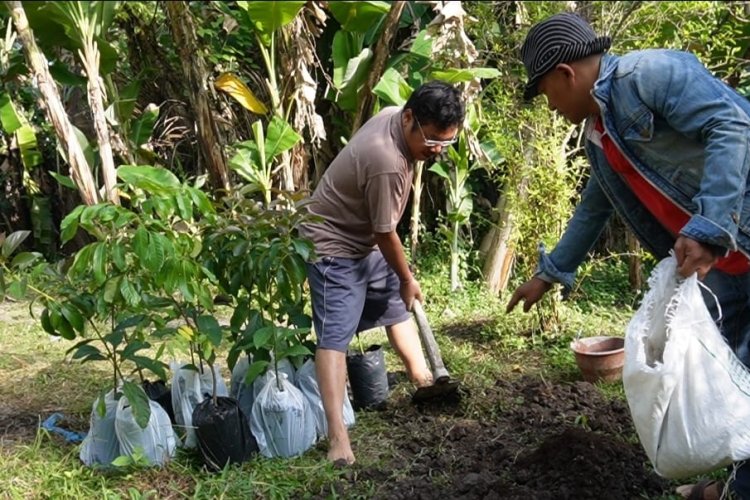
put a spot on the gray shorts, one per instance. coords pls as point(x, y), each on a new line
point(353, 295)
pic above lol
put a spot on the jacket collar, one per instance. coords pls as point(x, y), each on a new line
point(603, 83)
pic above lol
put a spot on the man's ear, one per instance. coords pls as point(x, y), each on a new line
point(407, 120)
point(407, 116)
point(566, 70)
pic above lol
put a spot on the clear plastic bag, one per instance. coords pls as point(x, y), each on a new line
point(239, 390)
point(156, 441)
point(206, 380)
point(282, 421)
point(307, 382)
point(100, 445)
point(284, 366)
point(689, 395)
point(189, 388)
point(186, 395)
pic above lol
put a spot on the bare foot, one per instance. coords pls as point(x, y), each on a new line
point(423, 380)
point(340, 451)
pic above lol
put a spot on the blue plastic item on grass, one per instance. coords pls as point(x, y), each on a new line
point(70, 436)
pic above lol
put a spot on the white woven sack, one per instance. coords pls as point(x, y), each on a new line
point(689, 395)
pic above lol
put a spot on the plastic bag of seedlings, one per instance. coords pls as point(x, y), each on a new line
point(240, 391)
point(307, 381)
point(159, 392)
point(368, 377)
point(189, 388)
point(284, 366)
point(223, 433)
point(282, 421)
point(156, 441)
point(100, 445)
point(186, 395)
point(206, 379)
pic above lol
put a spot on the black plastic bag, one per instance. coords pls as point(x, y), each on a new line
point(223, 433)
point(159, 392)
point(368, 378)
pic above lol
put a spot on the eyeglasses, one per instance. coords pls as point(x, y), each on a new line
point(431, 143)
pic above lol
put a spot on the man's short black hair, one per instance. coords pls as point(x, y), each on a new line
point(437, 103)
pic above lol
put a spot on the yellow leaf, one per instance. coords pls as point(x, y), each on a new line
point(185, 332)
point(243, 95)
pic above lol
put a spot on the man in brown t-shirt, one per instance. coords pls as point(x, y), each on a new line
point(362, 279)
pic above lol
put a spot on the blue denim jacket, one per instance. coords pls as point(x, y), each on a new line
point(683, 129)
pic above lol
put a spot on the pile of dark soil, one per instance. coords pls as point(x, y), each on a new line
point(541, 440)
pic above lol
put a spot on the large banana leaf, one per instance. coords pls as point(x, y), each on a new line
point(15, 123)
point(358, 16)
point(267, 17)
point(354, 76)
point(30, 155)
point(393, 88)
point(152, 179)
point(280, 137)
point(455, 75)
point(9, 117)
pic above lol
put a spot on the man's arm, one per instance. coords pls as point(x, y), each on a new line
point(393, 252)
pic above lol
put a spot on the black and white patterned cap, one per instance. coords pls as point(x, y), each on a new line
point(562, 38)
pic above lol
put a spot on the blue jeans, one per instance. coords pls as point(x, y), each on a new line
point(733, 293)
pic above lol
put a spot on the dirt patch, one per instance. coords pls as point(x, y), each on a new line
point(540, 440)
point(16, 426)
point(20, 426)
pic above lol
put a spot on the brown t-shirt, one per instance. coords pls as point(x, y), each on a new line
point(364, 190)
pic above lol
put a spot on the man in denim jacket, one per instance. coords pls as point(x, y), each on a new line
point(669, 147)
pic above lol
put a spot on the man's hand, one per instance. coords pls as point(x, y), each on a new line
point(409, 291)
point(530, 292)
point(693, 257)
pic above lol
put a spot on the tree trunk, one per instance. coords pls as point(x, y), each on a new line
point(497, 249)
point(79, 168)
point(455, 258)
point(90, 57)
point(382, 51)
point(635, 271)
point(415, 210)
point(196, 78)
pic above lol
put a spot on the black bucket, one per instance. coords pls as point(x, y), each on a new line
point(368, 378)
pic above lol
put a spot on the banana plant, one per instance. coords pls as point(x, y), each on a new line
point(254, 159)
point(266, 18)
point(351, 50)
point(85, 23)
point(459, 203)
